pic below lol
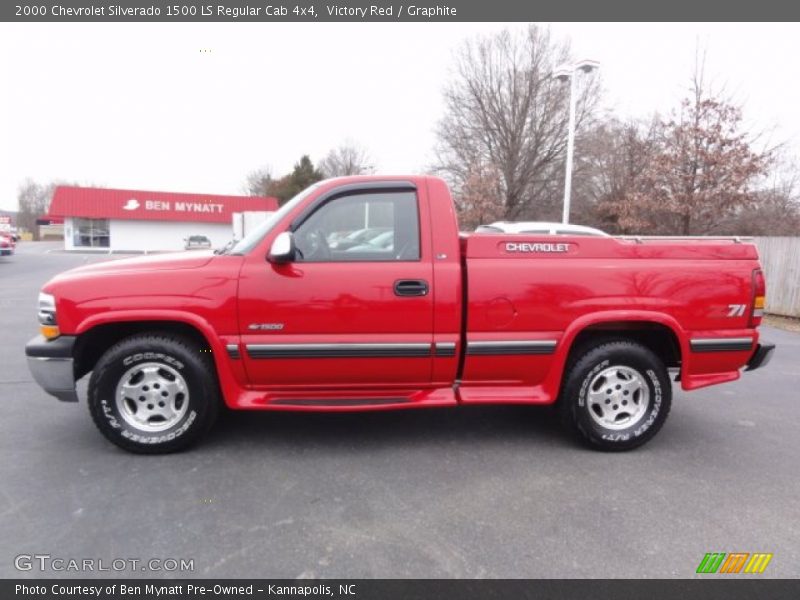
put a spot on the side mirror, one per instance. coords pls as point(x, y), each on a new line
point(282, 250)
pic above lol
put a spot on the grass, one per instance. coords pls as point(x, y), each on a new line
point(781, 322)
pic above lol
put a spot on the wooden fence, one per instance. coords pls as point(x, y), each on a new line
point(780, 258)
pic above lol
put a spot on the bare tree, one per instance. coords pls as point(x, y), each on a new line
point(347, 159)
point(34, 201)
point(609, 174)
point(480, 198)
point(258, 182)
point(505, 109)
point(776, 206)
point(704, 172)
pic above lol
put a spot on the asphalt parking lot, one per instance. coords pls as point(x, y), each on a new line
point(479, 492)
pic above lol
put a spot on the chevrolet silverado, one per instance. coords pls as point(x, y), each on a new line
point(290, 319)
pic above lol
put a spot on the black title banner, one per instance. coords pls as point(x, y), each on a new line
point(382, 11)
point(397, 589)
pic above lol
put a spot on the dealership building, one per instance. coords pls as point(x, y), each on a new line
point(138, 221)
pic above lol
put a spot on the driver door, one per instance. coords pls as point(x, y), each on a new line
point(355, 307)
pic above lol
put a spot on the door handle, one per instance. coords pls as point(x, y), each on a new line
point(410, 287)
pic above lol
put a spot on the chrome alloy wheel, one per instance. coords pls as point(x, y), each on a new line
point(152, 397)
point(618, 397)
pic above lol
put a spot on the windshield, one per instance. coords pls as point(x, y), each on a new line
point(251, 240)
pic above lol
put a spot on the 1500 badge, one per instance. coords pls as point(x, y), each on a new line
point(536, 247)
point(265, 326)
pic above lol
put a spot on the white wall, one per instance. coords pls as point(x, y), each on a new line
point(69, 233)
point(153, 236)
point(245, 222)
point(164, 235)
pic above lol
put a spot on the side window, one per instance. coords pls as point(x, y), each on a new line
point(379, 226)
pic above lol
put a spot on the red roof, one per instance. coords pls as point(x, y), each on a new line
point(101, 203)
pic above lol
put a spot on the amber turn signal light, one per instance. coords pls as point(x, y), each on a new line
point(50, 332)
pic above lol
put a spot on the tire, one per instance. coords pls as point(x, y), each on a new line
point(154, 393)
point(594, 403)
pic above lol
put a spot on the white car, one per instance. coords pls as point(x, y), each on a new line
point(383, 242)
point(193, 242)
point(539, 227)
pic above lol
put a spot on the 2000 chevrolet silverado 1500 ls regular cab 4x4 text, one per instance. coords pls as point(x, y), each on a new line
point(417, 315)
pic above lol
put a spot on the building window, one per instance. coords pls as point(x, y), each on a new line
point(90, 233)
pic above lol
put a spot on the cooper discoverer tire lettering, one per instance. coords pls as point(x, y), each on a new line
point(154, 393)
point(616, 395)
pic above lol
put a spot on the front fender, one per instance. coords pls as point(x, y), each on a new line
point(231, 389)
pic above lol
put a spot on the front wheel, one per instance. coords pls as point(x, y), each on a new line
point(616, 395)
point(154, 394)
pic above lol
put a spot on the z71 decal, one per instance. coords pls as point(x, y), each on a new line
point(736, 310)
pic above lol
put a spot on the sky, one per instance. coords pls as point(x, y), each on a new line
point(195, 107)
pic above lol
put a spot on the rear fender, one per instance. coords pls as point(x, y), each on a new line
point(552, 383)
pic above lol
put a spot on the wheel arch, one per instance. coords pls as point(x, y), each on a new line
point(657, 337)
point(94, 342)
point(95, 336)
point(659, 332)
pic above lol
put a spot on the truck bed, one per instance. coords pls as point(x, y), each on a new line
point(544, 288)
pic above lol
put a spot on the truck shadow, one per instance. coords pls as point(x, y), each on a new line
point(483, 425)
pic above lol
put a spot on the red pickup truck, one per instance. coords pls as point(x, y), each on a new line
point(416, 316)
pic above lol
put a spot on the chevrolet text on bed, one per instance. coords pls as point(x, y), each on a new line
point(546, 247)
point(361, 294)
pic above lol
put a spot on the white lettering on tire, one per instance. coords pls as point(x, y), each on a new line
point(140, 356)
point(616, 437)
point(109, 415)
point(160, 439)
point(582, 393)
point(656, 404)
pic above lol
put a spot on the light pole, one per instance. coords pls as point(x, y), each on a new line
point(564, 73)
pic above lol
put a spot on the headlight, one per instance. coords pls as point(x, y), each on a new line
point(47, 316)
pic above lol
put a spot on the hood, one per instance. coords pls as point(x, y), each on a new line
point(155, 262)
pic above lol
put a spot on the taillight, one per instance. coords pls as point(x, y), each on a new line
point(759, 297)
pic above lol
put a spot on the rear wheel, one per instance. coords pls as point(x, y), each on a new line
point(616, 395)
point(154, 393)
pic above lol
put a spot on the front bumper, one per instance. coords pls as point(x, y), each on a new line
point(51, 364)
point(761, 357)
